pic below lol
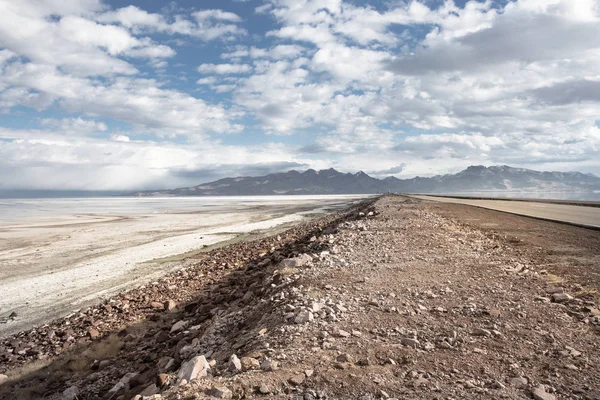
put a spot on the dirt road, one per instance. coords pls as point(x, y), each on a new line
point(578, 215)
point(398, 299)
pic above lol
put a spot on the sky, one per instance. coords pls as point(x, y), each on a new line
point(123, 94)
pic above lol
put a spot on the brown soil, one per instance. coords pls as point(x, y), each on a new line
point(419, 300)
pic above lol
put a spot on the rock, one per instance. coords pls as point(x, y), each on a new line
point(197, 367)
point(343, 334)
point(480, 332)
point(555, 290)
point(297, 380)
point(495, 313)
point(540, 393)
point(312, 395)
point(518, 382)
point(414, 343)
point(162, 380)
point(345, 358)
point(304, 317)
point(162, 337)
point(157, 305)
point(264, 389)
point(165, 364)
point(497, 385)
point(309, 372)
point(70, 393)
point(420, 382)
point(104, 363)
point(296, 262)
point(561, 297)
point(150, 390)
point(220, 391)
point(235, 365)
point(170, 305)
point(123, 384)
point(3, 378)
point(269, 365)
point(179, 326)
point(94, 333)
point(594, 312)
point(249, 363)
point(117, 388)
point(572, 352)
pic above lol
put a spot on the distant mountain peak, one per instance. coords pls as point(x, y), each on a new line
point(475, 178)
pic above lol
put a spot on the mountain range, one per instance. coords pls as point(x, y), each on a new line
point(473, 179)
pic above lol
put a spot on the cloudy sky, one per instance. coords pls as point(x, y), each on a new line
point(114, 95)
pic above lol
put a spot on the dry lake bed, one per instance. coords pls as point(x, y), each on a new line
point(58, 255)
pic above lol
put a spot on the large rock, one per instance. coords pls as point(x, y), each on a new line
point(540, 393)
point(249, 363)
point(518, 382)
point(197, 367)
point(220, 391)
point(70, 393)
point(414, 343)
point(304, 317)
point(561, 297)
point(297, 379)
point(269, 365)
point(150, 390)
point(170, 305)
point(94, 333)
point(123, 384)
point(178, 326)
point(235, 365)
point(295, 262)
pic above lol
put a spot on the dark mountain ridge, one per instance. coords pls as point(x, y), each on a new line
point(473, 179)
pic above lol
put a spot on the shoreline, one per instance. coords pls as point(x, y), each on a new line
point(52, 270)
point(132, 305)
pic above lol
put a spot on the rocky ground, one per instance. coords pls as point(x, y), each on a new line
point(397, 298)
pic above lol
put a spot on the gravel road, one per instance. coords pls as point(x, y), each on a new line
point(578, 215)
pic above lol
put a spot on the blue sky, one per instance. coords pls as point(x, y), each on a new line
point(123, 95)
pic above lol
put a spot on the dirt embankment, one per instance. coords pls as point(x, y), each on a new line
point(399, 299)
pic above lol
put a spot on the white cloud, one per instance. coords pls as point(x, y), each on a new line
point(140, 102)
point(279, 52)
point(369, 87)
point(120, 138)
point(45, 160)
point(206, 15)
point(223, 69)
point(74, 125)
point(206, 24)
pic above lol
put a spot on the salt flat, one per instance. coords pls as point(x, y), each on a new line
point(58, 255)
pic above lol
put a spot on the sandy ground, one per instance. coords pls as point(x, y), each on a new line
point(54, 263)
point(573, 214)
